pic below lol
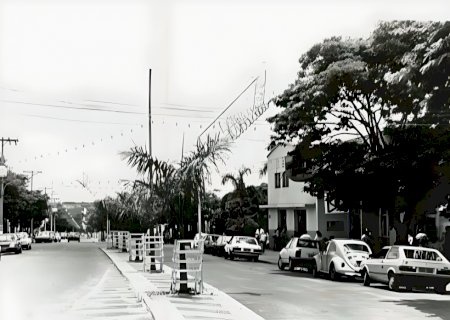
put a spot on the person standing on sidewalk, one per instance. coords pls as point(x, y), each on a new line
point(263, 241)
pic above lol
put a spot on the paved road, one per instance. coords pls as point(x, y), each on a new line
point(276, 294)
point(65, 281)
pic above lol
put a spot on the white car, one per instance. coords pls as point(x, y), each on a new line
point(342, 257)
point(244, 247)
point(299, 252)
point(25, 240)
point(409, 267)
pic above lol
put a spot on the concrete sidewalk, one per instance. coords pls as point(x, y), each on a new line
point(154, 291)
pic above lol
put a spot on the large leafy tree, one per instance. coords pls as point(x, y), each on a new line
point(357, 108)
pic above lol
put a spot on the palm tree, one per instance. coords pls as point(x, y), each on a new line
point(196, 167)
point(238, 182)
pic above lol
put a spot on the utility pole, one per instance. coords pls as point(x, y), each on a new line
point(150, 125)
point(33, 173)
point(3, 174)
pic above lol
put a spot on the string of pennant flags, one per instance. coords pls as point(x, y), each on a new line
point(110, 137)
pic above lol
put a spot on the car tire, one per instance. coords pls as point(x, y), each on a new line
point(19, 250)
point(231, 256)
point(291, 265)
point(315, 272)
point(440, 290)
point(366, 278)
point(334, 276)
point(281, 265)
point(255, 259)
point(392, 282)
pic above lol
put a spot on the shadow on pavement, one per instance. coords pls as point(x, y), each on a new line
point(433, 308)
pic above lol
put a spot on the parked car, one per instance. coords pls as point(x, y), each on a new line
point(198, 238)
point(73, 236)
point(243, 247)
point(210, 239)
point(299, 252)
point(342, 257)
point(10, 242)
point(63, 235)
point(409, 267)
point(218, 248)
point(25, 240)
point(43, 236)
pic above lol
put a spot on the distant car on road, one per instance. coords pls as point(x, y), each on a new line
point(63, 235)
point(9, 242)
point(218, 248)
point(43, 236)
point(73, 236)
point(25, 240)
point(210, 239)
point(299, 252)
point(243, 247)
point(342, 257)
point(409, 267)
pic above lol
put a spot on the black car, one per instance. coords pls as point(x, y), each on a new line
point(73, 236)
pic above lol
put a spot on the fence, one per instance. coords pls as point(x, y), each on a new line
point(135, 247)
point(153, 253)
point(187, 267)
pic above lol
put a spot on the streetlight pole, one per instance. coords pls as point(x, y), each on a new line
point(33, 173)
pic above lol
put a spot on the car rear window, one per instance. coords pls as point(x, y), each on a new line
point(246, 240)
point(307, 244)
point(421, 254)
point(356, 247)
point(5, 237)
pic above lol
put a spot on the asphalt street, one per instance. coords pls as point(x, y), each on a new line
point(276, 294)
point(64, 281)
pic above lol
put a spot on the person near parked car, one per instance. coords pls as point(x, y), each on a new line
point(258, 233)
point(263, 239)
point(318, 236)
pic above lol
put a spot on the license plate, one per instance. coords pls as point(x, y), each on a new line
point(425, 270)
point(247, 250)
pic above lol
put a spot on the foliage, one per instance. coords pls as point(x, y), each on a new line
point(370, 116)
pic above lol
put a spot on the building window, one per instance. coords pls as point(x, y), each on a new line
point(277, 180)
point(285, 180)
point(335, 225)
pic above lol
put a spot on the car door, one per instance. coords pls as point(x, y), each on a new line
point(375, 264)
point(331, 252)
point(292, 247)
point(391, 260)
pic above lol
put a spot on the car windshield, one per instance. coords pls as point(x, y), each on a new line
point(246, 240)
point(302, 243)
point(356, 247)
point(5, 237)
point(421, 254)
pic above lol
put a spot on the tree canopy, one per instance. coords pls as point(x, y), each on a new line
point(368, 115)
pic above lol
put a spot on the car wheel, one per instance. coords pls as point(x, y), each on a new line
point(231, 256)
point(255, 259)
point(280, 264)
point(393, 285)
point(315, 272)
point(334, 276)
point(19, 250)
point(366, 280)
point(291, 265)
point(29, 246)
point(440, 289)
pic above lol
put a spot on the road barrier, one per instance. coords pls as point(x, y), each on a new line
point(187, 267)
point(153, 253)
point(114, 236)
point(123, 240)
point(135, 247)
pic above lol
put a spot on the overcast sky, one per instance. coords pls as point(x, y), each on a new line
point(74, 77)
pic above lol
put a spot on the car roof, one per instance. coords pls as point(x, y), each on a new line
point(345, 241)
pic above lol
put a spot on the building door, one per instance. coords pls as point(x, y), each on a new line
point(300, 222)
point(281, 219)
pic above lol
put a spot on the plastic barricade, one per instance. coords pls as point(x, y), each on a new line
point(114, 239)
point(135, 247)
point(123, 241)
point(187, 272)
point(153, 250)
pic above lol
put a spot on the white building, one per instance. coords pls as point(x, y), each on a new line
point(289, 206)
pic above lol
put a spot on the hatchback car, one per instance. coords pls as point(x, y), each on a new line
point(73, 236)
point(409, 267)
point(43, 236)
point(342, 257)
point(9, 242)
point(25, 240)
point(299, 252)
point(243, 247)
